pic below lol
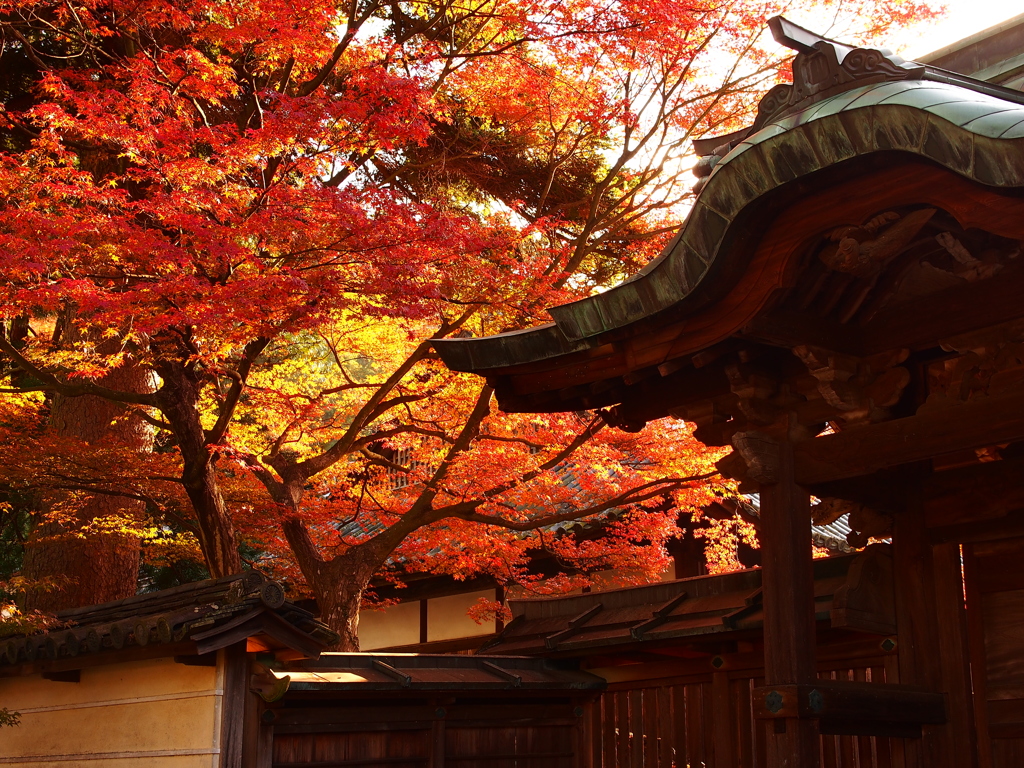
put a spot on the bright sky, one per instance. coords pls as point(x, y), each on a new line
point(962, 19)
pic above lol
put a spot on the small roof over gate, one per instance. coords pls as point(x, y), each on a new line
point(361, 672)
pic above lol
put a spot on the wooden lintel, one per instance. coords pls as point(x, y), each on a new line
point(868, 449)
point(835, 700)
point(980, 531)
point(790, 329)
point(68, 676)
point(922, 322)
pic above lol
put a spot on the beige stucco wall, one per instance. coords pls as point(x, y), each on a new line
point(447, 619)
point(389, 627)
point(155, 713)
point(399, 624)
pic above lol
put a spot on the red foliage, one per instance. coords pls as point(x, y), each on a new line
point(274, 206)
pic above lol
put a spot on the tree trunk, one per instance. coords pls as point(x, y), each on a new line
point(216, 532)
point(75, 570)
point(338, 585)
point(339, 610)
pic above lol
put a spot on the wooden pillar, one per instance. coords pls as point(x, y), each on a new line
point(918, 632)
point(788, 595)
point(954, 651)
point(235, 663)
point(976, 648)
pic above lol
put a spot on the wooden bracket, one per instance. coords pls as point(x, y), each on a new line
point(861, 390)
point(755, 458)
point(394, 674)
point(660, 616)
point(267, 685)
point(551, 641)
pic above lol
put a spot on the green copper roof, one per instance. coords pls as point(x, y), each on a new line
point(975, 132)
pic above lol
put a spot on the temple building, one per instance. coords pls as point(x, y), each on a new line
point(843, 308)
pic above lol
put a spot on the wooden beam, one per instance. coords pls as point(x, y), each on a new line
point(869, 704)
point(923, 322)
point(865, 450)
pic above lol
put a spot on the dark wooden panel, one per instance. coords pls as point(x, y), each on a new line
point(635, 728)
point(997, 565)
point(649, 702)
point(1004, 639)
point(695, 747)
point(680, 740)
point(622, 728)
point(723, 721)
point(608, 752)
point(1007, 753)
point(666, 741)
point(741, 707)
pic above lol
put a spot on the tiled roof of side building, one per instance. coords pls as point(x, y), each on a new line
point(196, 619)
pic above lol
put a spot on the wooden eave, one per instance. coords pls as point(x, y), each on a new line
point(909, 144)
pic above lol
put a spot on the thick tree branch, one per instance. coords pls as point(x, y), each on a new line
point(362, 419)
point(595, 426)
point(467, 510)
point(227, 409)
point(52, 384)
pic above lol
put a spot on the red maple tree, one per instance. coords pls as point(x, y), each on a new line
point(270, 209)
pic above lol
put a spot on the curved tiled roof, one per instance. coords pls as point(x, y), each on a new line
point(201, 617)
point(969, 128)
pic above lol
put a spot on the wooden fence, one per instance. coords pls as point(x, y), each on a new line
point(524, 735)
point(707, 722)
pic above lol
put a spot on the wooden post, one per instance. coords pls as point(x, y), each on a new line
point(788, 593)
point(918, 648)
point(235, 661)
point(951, 618)
point(723, 721)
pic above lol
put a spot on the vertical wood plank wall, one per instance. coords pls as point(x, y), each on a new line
point(708, 722)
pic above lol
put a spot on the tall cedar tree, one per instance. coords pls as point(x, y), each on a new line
point(265, 211)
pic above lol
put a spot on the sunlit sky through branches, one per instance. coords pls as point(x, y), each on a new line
point(963, 18)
